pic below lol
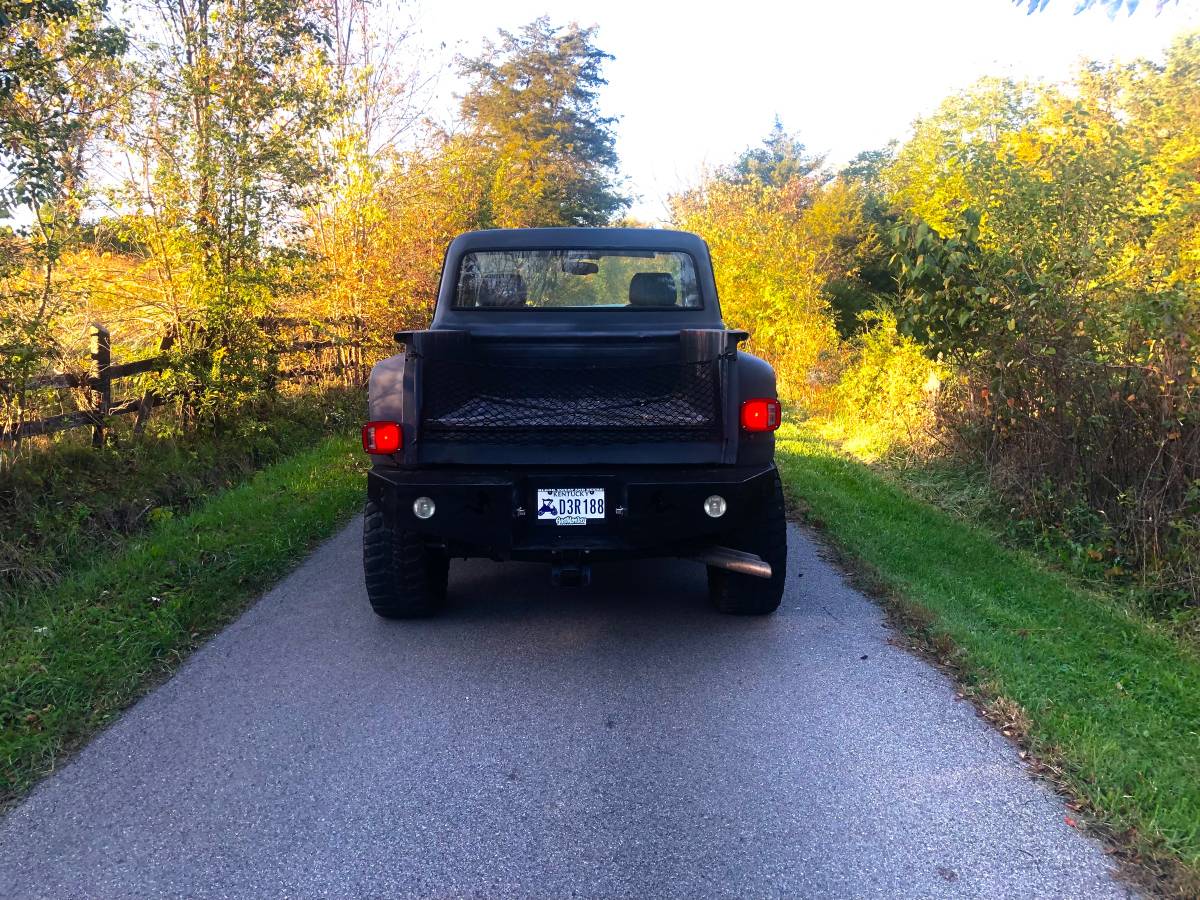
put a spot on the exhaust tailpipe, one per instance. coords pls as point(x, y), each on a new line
point(735, 561)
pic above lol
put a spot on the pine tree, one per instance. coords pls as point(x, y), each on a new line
point(533, 105)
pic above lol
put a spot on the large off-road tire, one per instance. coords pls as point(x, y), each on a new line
point(766, 535)
point(406, 578)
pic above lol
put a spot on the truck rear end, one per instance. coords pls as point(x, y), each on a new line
point(577, 398)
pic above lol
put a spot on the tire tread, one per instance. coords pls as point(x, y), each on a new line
point(405, 578)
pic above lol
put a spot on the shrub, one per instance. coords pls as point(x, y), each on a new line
point(886, 395)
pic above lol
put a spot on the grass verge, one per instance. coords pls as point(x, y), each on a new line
point(74, 654)
point(64, 504)
point(1105, 700)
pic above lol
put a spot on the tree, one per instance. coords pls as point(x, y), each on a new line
point(533, 105)
point(780, 233)
point(871, 281)
point(56, 62)
point(1047, 246)
point(222, 136)
point(359, 232)
point(781, 158)
point(47, 51)
point(936, 173)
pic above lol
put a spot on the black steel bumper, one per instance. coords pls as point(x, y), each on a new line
point(649, 511)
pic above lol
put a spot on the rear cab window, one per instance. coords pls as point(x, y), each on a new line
point(577, 279)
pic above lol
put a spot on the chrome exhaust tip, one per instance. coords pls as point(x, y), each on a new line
point(735, 561)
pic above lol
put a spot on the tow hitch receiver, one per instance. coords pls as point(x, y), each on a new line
point(735, 561)
point(571, 575)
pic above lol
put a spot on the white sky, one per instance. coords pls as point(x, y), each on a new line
point(696, 82)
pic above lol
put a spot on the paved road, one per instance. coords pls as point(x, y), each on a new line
point(619, 740)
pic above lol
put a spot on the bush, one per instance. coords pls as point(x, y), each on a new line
point(885, 397)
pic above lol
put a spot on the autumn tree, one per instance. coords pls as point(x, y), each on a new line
point(221, 140)
point(532, 149)
point(57, 61)
point(371, 153)
point(780, 231)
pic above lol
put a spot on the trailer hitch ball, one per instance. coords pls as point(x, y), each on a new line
point(715, 506)
point(424, 507)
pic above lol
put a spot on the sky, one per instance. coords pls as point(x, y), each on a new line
point(695, 83)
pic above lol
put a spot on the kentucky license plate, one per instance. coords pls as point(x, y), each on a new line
point(570, 506)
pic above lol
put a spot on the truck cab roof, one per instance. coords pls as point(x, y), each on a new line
point(547, 319)
point(584, 238)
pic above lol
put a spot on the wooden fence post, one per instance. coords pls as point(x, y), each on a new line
point(101, 385)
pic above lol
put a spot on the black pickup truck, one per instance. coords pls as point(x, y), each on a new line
point(577, 398)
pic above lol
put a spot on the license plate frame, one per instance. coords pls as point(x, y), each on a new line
point(570, 506)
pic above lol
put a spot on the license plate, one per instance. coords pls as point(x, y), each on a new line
point(570, 506)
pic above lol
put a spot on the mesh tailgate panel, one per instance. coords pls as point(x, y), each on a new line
point(561, 403)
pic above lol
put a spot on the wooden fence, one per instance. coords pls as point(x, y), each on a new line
point(97, 384)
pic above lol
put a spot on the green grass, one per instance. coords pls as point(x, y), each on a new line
point(64, 504)
point(1106, 698)
point(74, 654)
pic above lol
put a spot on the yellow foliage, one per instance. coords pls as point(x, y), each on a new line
point(88, 285)
point(774, 250)
point(886, 396)
point(380, 240)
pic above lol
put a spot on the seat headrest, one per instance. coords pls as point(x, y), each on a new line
point(506, 290)
point(652, 289)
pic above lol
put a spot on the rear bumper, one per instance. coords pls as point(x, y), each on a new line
point(649, 511)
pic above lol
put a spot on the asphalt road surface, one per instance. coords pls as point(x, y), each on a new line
point(617, 740)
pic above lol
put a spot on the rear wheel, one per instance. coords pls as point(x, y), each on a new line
point(406, 578)
point(765, 536)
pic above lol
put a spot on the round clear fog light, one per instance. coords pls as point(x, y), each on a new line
point(424, 507)
point(715, 506)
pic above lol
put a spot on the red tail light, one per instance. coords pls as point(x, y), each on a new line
point(762, 414)
point(382, 437)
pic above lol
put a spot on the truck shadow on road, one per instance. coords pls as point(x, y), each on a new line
point(482, 590)
point(631, 613)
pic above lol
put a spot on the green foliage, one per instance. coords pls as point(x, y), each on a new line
point(532, 107)
point(1047, 245)
point(781, 158)
point(943, 298)
point(49, 54)
point(872, 281)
